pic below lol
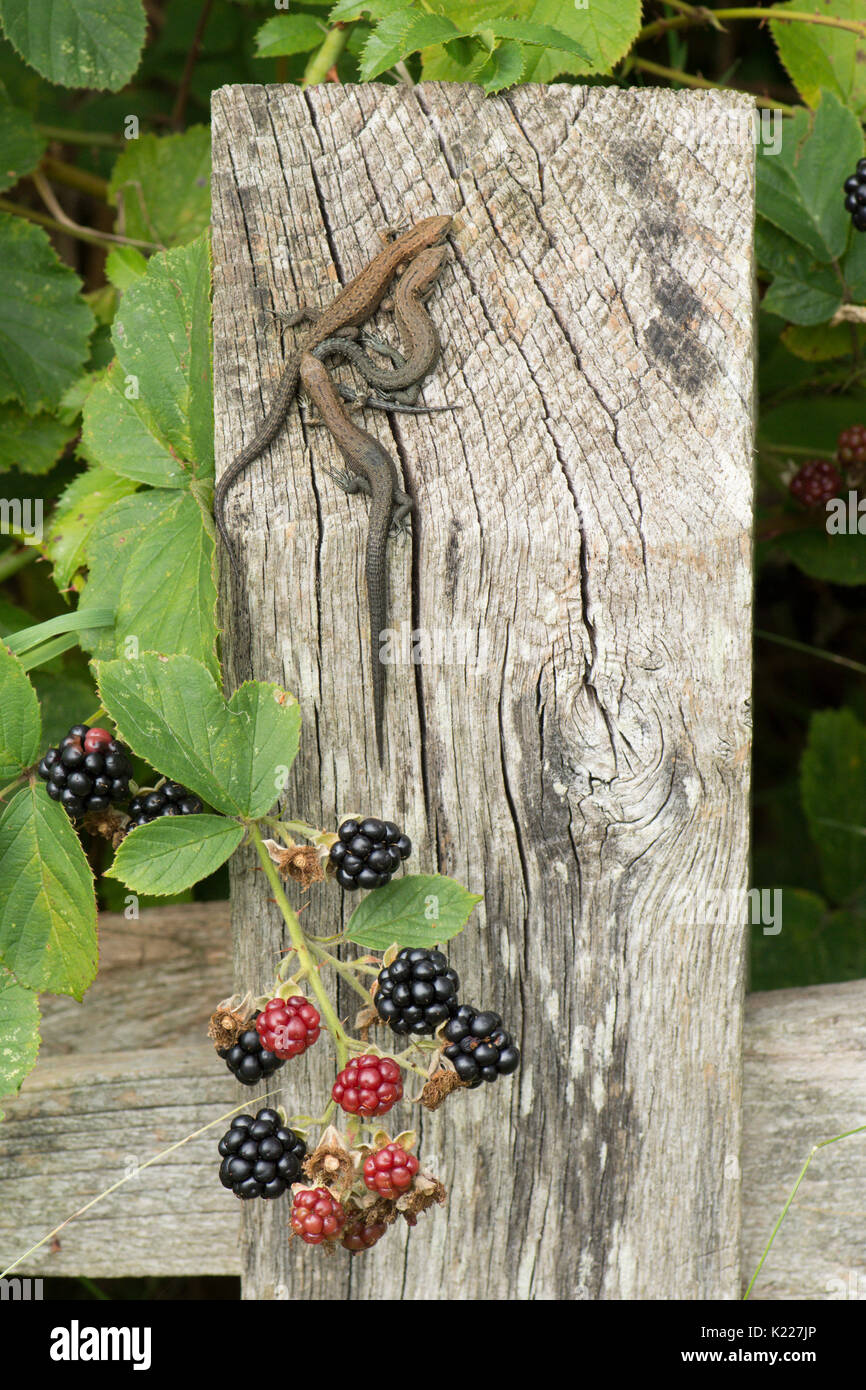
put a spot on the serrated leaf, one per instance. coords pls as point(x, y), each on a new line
point(19, 1032)
point(31, 443)
point(170, 712)
point(799, 185)
point(161, 183)
point(111, 546)
point(833, 788)
point(120, 434)
point(20, 721)
point(168, 596)
point(418, 910)
point(503, 68)
point(78, 510)
point(79, 43)
point(47, 904)
point(172, 854)
point(162, 339)
point(818, 56)
point(21, 145)
point(803, 290)
point(44, 322)
point(604, 29)
point(124, 265)
point(285, 34)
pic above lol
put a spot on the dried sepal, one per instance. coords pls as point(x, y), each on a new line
point(391, 954)
point(426, 1190)
point(365, 1019)
point(332, 1164)
point(110, 825)
point(440, 1085)
point(301, 863)
point(229, 1019)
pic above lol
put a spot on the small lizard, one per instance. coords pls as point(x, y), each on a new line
point(376, 474)
point(355, 303)
point(418, 335)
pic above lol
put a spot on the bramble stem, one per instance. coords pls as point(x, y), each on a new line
point(345, 969)
point(299, 941)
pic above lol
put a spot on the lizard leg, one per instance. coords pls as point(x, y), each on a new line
point(349, 482)
point(403, 508)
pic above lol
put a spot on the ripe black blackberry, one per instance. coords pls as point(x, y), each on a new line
point(261, 1157)
point(248, 1060)
point(171, 799)
point(368, 852)
point(480, 1049)
point(88, 771)
point(417, 991)
point(855, 196)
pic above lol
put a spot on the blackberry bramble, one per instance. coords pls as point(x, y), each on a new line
point(261, 1157)
point(417, 991)
point(88, 771)
point(368, 852)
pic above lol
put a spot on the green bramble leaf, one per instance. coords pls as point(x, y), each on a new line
point(286, 34)
point(833, 789)
point(837, 559)
point(80, 43)
point(418, 910)
point(818, 56)
point(803, 290)
point(21, 145)
point(171, 854)
point(44, 322)
point(20, 722)
point(162, 185)
point(604, 29)
point(799, 186)
point(47, 904)
point(31, 443)
point(235, 755)
point(19, 1032)
point(80, 507)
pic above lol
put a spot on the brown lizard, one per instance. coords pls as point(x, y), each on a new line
point(352, 306)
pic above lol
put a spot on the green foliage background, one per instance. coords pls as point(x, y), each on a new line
point(106, 418)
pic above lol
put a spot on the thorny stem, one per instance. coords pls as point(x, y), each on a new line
point(716, 17)
point(344, 968)
point(342, 1041)
point(325, 58)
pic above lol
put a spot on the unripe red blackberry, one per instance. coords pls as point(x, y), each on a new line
point(480, 1049)
point(417, 991)
point(316, 1215)
point(815, 483)
point(389, 1171)
point(287, 1027)
point(368, 852)
point(357, 1236)
point(368, 1086)
point(261, 1157)
point(851, 446)
point(88, 771)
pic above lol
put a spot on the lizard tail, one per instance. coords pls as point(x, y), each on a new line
point(380, 519)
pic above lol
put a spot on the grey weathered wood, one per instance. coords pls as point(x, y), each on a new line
point(805, 1081)
point(588, 511)
point(121, 1077)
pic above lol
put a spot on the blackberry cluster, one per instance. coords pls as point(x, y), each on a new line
point(815, 483)
point(368, 852)
point(88, 771)
point(249, 1060)
point(417, 991)
point(171, 799)
point(480, 1049)
point(855, 196)
point(851, 446)
point(260, 1157)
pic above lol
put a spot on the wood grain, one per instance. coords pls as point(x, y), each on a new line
point(584, 519)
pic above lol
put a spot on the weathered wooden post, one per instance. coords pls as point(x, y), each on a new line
point(586, 515)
